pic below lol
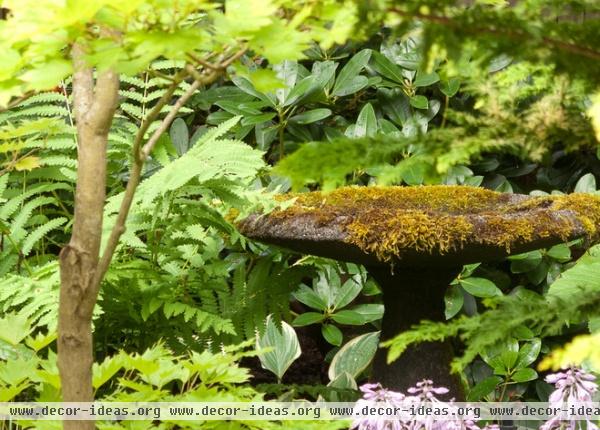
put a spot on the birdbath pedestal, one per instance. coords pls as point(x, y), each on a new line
point(414, 242)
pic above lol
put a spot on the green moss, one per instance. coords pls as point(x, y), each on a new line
point(386, 221)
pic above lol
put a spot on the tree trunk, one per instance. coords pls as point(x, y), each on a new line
point(95, 104)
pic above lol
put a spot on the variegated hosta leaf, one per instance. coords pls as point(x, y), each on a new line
point(281, 347)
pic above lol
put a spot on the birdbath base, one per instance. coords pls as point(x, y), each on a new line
point(410, 296)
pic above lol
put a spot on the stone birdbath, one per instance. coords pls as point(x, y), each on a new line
point(414, 241)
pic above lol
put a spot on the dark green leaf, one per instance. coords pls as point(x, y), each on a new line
point(346, 293)
point(528, 353)
point(352, 86)
point(454, 301)
point(257, 119)
point(348, 317)
point(308, 318)
point(382, 65)
point(523, 263)
point(346, 80)
point(480, 287)
point(482, 389)
point(311, 116)
point(524, 375)
point(332, 334)
point(366, 123)
point(310, 298)
point(300, 91)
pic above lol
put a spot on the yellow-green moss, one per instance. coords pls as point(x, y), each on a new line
point(385, 221)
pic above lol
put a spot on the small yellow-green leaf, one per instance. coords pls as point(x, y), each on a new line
point(27, 163)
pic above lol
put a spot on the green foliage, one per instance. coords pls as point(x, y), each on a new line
point(35, 198)
point(353, 358)
point(329, 297)
point(566, 36)
point(572, 298)
point(169, 263)
point(277, 347)
point(442, 94)
point(156, 30)
point(155, 374)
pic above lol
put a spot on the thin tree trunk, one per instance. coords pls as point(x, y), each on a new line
point(81, 267)
point(95, 105)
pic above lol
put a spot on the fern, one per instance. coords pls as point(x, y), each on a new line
point(175, 238)
point(35, 205)
point(34, 296)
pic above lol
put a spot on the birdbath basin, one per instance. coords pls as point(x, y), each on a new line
point(414, 242)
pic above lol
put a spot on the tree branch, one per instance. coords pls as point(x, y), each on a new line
point(14, 103)
point(141, 153)
point(140, 156)
point(511, 34)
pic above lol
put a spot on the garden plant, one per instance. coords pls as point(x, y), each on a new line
point(246, 200)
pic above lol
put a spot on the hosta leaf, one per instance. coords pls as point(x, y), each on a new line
point(354, 356)
point(282, 347)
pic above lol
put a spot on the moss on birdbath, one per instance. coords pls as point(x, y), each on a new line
point(425, 234)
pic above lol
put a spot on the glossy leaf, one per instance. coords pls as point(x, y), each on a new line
point(382, 65)
point(524, 375)
point(480, 287)
point(308, 318)
point(366, 124)
point(483, 388)
point(348, 81)
point(348, 317)
point(346, 293)
point(332, 334)
point(426, 79)
point(528, 353)
point(311, 116)
point(310, 298)
point(454, 300)
point(354, 356)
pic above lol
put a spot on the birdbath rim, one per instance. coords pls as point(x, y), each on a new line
point(447, 225)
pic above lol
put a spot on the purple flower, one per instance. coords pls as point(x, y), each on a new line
point(372, 395)
point(423, 394)
point(426, 391)
point(573, 385)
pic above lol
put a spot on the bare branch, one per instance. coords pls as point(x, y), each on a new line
point(155, 112)
point(202, 62)
point(140, 156)
point(141, 153)
point(147, 149)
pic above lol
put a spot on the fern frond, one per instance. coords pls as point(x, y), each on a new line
point(41, 231)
